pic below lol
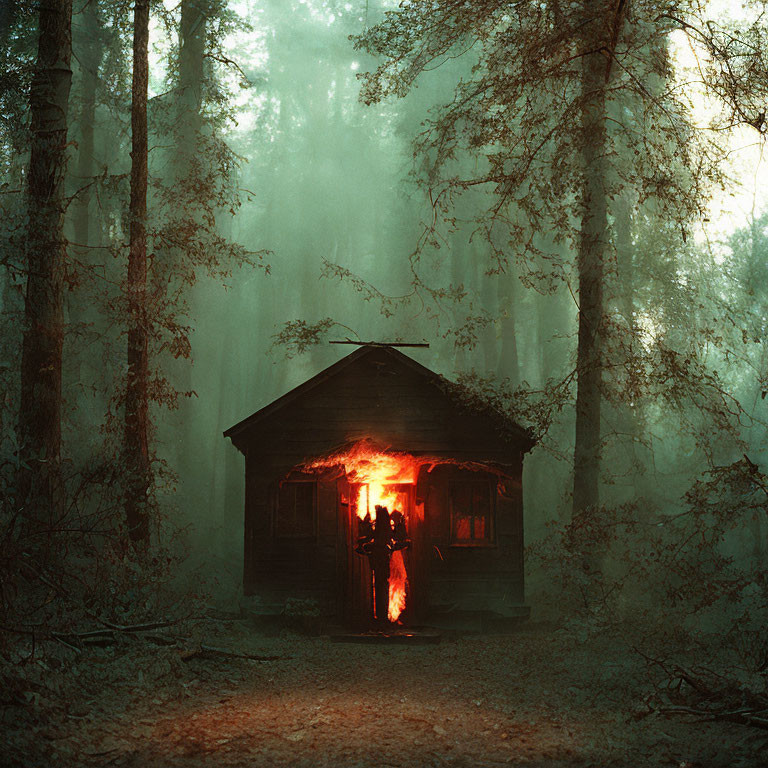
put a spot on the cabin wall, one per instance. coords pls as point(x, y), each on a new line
point(480, 577)
point(320, 568)
point(280, 569)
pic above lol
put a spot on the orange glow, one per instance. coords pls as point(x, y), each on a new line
point(377, 476)
point(374, 471)
point(398, 579)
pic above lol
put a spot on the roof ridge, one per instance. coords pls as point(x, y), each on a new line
point(445, 385)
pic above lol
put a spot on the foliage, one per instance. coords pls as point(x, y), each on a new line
point(97, 572)
point(297, 336)
point(670, 578)
point(81, 566)
point(511, 405)
point(515, 115)
point(733, 72)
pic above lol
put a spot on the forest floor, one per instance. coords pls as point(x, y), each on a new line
point(540, 696)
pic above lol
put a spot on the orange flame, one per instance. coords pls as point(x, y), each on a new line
point(398, 579)
point(375, 473)
point(373, 470)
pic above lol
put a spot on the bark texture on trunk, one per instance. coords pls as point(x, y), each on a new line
point(603, 25)
point(590, 265)
point(39, 427)
point(136, 443)
point(188, 166)
point(88, 43)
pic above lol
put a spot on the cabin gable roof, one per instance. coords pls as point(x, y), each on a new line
point(364, 365)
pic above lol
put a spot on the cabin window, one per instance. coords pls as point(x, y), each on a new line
point(296, 505)
point(472, 513)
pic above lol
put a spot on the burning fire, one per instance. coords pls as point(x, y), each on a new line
point(377, 479)
point(377, 476)
point(398, 579)
point(375, 473)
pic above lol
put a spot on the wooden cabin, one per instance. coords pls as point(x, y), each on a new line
point(377, 420)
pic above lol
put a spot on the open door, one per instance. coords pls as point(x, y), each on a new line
point(356, 501)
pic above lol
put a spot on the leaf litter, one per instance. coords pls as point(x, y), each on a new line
point(535, 697)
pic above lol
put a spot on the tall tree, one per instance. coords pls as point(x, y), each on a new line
point(533, 113)
point(189, 168)
point(192, 39)
point(136, 441)
point(90, 52)
point(509, 357)
point(600, 33)
point(39, 426)
point(90, 42)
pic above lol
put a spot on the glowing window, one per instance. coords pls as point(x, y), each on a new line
point(296, 504)
point(472, 513)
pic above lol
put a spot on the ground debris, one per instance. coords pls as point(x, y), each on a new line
point(704, 694)
point(209, 651)
point(139, 703)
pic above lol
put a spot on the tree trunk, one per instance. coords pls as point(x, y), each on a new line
point(755, 522)
point(459, 263)
point(488, 292)
point(89, 56)
point(554, 326)
point(187, 171)
point(40, 484)
point(509, 363)
point(630, 414)
point(136, 447)
point(192, 35)
point(88, 42)
point(592, 245)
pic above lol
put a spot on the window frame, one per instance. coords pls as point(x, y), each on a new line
point(277, 533)
point(486, 541)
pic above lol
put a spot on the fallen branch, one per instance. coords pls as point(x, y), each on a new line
point(93, 633)
point(211, 651)
point(139, 627)
point(161, 639)
point(743, 717)
point(67, 644)
point(709, 695)
point(98, 637)
point(104, 637)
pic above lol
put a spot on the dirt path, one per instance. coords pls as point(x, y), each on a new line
point(536, 697)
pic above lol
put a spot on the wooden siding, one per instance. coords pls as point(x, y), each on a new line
point(278, 568)
point(377, 398)
point(442, 575)
point(481, 577)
